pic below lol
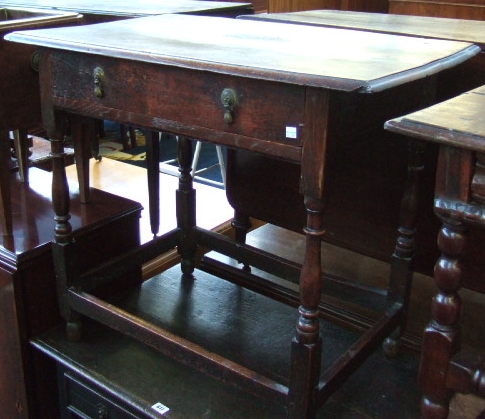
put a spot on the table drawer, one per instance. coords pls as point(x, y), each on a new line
point(182, 95)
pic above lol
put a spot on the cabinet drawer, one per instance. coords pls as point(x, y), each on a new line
point(86, 400)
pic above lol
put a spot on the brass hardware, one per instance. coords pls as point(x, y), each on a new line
point(228, 99)
point(98, 74)
point(34, 60)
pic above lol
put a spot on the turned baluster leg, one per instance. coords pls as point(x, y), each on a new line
point(402, 259)
point(306, 346)
point(442, 335)
point(64, 249)
point(83, 130)
point(185, 201)
point(153, 177)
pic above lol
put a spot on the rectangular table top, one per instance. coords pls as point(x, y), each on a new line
point(330, 58)
point(429, 27)
point(127, 8)
point(459, 121)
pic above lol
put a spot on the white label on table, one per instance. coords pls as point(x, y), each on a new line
point(291, 132)
point(160, 408)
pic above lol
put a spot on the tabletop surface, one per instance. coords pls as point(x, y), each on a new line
point(126, 7)
point(430, 27)
point(459, 121)
point(342, 59)
point(18, 19)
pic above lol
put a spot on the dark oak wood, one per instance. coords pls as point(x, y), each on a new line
point(108, 226)
point(458, 127)
point(285, 95)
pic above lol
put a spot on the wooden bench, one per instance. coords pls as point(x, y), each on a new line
point(458, 127)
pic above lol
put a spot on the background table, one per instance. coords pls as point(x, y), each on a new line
point(458, 126)
point(96, 12)
point(249, 85)
point(250, 177)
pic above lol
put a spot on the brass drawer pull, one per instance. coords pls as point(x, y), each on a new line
point(98, 74)
point(228, 99)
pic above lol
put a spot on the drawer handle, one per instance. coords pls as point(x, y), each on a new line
point(98, 75)
point(228, 99)
point(102, 412)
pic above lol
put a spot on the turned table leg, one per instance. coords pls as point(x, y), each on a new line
point(153, 177)
point(63, 249)
point(402, 259)
point(185, 202)
point(306, 346)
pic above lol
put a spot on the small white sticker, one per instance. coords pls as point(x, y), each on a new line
point(291, 132)
point(160, 408)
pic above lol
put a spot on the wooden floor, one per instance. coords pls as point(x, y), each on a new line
point(382, 389)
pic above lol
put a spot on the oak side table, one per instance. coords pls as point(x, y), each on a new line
point(251, 85)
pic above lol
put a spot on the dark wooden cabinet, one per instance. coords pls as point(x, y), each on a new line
point(106, 227)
